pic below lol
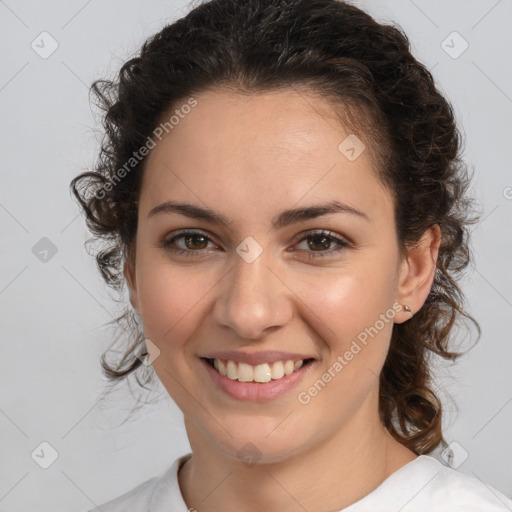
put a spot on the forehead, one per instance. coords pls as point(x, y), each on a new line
point(283, 145)
point(285, 120)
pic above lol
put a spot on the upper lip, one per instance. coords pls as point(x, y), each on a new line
point(255, 358)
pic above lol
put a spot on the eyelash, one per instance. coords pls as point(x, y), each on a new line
point(342, 244)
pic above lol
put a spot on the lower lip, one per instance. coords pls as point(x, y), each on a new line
point(256, 391)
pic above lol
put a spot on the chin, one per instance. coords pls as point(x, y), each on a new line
point(251, 444)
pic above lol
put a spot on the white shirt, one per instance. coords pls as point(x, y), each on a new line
point(422, 485)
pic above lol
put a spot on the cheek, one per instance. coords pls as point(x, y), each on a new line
point(349, 299)
point(171, 298)
point(341, 304)
point(173, 302)
point(353, 314)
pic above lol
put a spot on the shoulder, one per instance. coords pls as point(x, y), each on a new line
point(137, 498)
point(144, 496)
point(449, 486)
point(427, 485)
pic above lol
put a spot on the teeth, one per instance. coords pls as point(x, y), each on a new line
point(277, 370)
point(288, 367)
point(232, 371)
point(244, 372)
point(260, 373)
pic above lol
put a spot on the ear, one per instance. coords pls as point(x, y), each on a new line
point(417, 272)
point(130, 276)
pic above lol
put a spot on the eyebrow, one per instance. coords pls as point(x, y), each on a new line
point(285, 218)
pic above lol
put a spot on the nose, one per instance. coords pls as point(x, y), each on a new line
point(253, 300)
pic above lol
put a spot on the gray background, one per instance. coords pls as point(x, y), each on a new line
point(53, 312)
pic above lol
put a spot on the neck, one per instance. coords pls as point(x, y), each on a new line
point(330, 476)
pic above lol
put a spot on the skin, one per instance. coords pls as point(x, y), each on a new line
point(249, 157)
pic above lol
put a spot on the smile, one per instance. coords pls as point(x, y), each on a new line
point(261, 382)
point(261, 373)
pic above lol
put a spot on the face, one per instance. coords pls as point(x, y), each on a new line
point(265, 287)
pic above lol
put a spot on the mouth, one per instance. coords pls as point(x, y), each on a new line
point(261, 373)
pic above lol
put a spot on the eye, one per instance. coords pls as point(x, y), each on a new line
point(318, 241)
point(193, 243)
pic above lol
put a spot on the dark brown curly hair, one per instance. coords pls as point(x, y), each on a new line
point(368, 73)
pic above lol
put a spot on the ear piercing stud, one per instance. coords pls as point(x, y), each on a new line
point(407, 308)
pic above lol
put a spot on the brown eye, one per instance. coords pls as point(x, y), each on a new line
point(193, 241)
point(187, 242)
point(319, 244)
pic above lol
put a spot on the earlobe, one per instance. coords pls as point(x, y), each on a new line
point(417, 273)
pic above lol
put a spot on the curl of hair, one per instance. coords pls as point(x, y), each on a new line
point(365, 69)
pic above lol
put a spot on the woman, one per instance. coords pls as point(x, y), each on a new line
point(282, 193)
